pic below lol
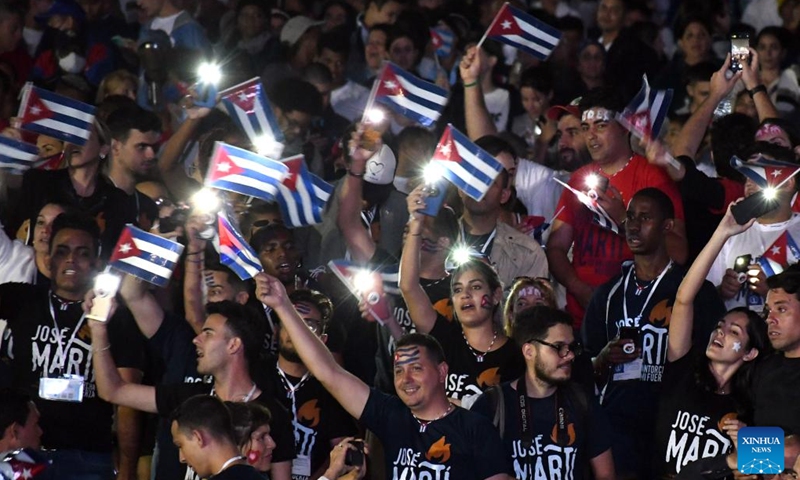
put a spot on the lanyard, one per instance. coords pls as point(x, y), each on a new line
point(649, 295)
point(291, 393)
point(65, 351)
point(228, 463)
point(486, 245)
point(526, 420)
point(244, 400)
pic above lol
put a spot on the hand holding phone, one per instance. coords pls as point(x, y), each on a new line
point(740, 51)
point(106, 286)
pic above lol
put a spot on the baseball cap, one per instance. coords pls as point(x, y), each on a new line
point(296, 27)
point(69, 8)
point(555, 112)
point(380, 167)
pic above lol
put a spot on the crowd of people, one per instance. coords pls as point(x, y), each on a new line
point(618, 303)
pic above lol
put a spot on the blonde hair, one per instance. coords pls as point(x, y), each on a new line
point(113, 80)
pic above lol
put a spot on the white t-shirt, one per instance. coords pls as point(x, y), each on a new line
point(349, 100)
point(498, 104)
point(166, 24)
point(755, 241)
point(537, 190)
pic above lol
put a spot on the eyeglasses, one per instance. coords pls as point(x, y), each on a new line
point(314, 326)
point(562, 348)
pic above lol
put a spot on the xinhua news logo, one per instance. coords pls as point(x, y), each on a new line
point(760, 450)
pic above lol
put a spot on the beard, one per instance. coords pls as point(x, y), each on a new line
point(289, 353)
point(543, 375)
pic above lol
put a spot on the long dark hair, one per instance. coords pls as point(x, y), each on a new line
point(758, 339)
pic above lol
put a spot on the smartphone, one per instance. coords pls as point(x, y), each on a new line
point(596, 184)
point(629, 333)
point(106, 286)
point(740, 53)
point(355, 458)
point(375, 299)
point(741, 263)
point(751, 207)
point(434, 194)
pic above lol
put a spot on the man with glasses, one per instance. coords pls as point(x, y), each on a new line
point(320, 423)
point(550, 426)
point(626, 325)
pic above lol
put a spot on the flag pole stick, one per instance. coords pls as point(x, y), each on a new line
point(373, 92)
point(486, 33)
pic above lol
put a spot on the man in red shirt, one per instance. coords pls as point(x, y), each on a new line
point(597, 252)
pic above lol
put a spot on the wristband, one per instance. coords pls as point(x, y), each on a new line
point(471, 84)
point(755, 90)
point(357, 175)
point(98, 350)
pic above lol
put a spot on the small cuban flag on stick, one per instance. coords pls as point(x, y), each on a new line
point(146, 256)
point(442, 40)
point(404, 93)
point(234, 252)
point(782, 253)
point(464, 164)
point(248, 106)
point(54, 115)
point(766, 173)
point(242, 171)
point(302, 196)
point(646, 112)
point(17, 156)
point(522, 31)
point(600, 216)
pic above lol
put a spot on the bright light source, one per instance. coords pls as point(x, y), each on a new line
point(205, 201)
point(592, 181)
point(770, 193)
point(537, 130)
point(209, 73)
point(461, 255)
point(375, 115)
point(363, 281)
point(432, 173)
point(105, 283)
point(267, 146)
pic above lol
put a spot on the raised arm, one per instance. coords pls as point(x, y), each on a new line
point(146, 311)
point(479, 123)
point(193, 278)
point(419, 305)
point(359, 243)
point(682, 320)
point(349, 391)
point(174, 178)
point(752, 80)
point(694, 130)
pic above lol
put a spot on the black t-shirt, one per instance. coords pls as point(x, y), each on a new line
point(687, 424)
point(238, 472)
point(632, 404)
point(467, 376)
point(32, 344)
point(317, 419)
point(170, 397)
point(463, 444)
point(438, 292)
point(121, 209)
point(587, 427)
point(775, 392)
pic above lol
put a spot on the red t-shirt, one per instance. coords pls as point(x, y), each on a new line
point(597, 253)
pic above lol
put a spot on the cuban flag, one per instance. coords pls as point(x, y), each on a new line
point(523, 31)
point(55, 115)
point(247, 104)
point(302, 196)
point(365, 284)
point(782, 253)
point(442, 40)
point(402, 92)
point(464, 164)
point(145, 256)
point(242, 171)
point(645, 114)
point(599, 215)
point(234, 252)
point(765, 172)
point(17, 156)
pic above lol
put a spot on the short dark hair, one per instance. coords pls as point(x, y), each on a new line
point(682, 25)
point(293, 95)
point(75, 220)
point(246, 418)
point(386, 29)
point(700, 72)
point(316, 72)
point(731, 135)
point(788, 280)
point(237, 283)
point(336, 40)
point(206, 413)
point(660, 199)
point(265, 234)
point(445, 224)
point(494, 146)
point(15, 406)
point(602, 97)
point(774, 151)
point(121, 121)
point(240, 322)
point(538, 78)
point(535, 322)
point(781, 34)
point(434, 348)
point(319, 300)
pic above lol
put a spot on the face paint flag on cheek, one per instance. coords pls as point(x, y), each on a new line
point(253, 456)
point(486, 302)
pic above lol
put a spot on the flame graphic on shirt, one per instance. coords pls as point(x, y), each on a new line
point(309, 412)
point(570, 433)
point(439, 451)
point(661, 313)
point(489, 377)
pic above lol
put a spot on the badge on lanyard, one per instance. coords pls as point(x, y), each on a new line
point(67, 388)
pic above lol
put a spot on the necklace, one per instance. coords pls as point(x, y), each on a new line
point(64, 304)
point(423, 424)
point(479, 355)
point(640, 288)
